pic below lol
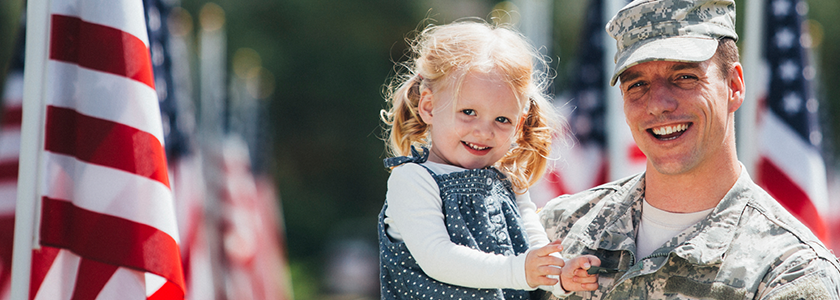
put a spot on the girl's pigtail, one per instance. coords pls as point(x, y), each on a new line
point(406, 127)
point(528, 160)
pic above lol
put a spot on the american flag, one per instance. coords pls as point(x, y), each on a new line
point(178, 142)
point(587, 157)
point(107, 223)
point(584, 157)
point(170, 62)
point(254, 253)
point(790, 166)
point(9, 152)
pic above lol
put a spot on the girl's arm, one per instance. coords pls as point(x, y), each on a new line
point(414, 210)
point(531, 221)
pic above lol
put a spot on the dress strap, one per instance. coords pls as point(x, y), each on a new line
point(416, 157)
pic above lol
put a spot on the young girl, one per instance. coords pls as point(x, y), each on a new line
point(470, 131)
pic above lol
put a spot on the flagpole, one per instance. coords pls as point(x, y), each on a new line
point(27, 210)
point(211, 131)
point(617, 131)
point(747, 114)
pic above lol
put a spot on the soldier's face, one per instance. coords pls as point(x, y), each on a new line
point(679, 113)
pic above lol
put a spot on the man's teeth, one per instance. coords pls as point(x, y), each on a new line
point(665, 130)
point(476, 147)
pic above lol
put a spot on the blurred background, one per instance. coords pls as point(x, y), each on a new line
point(317, 70)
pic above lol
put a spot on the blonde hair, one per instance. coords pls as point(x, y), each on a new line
point(441, 56)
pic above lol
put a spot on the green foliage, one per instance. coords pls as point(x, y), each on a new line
point(10, 11)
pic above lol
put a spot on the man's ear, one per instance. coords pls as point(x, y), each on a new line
point(425, 105)
point(736, 87)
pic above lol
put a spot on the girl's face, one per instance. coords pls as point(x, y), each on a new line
point(479, 130)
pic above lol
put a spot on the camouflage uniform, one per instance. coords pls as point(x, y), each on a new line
point(749, 247)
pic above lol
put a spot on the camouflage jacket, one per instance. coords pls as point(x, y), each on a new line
point(749, 247)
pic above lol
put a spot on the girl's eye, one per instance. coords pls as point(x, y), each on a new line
point(502, 120)
point(468, 112)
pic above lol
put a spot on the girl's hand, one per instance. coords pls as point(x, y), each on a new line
point(574, 277)
point(539, 263)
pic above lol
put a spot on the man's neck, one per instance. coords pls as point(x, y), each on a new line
point(693, 192)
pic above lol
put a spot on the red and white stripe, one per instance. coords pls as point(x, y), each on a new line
point(255, 264)
point(108, 227)
point(10, 142)
point(9, 153)
point(793, 172)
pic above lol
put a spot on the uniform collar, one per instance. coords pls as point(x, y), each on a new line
point(613, 223)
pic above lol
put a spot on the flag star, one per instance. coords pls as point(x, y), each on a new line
point(154, 19)
point(788, 71)
point(785, 38)
point(781, 8)
point(815, 137)
point(588, 99)
point(583, 125)
point(792, 103)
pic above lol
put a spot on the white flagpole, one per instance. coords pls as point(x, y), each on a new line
point(211, 132)
point(747, 114)
point(618, 134)
point(27, 210)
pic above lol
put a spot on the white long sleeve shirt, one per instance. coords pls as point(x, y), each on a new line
point(414, 215)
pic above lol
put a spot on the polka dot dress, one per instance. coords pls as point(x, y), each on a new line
point(479, 211)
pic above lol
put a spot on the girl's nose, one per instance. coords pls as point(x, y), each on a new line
point(483, 129)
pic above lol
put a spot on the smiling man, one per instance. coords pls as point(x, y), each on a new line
point(693, 225)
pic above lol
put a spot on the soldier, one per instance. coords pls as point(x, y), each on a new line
point(693, 225)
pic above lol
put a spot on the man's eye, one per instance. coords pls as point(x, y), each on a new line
point(635, 85)
point(468, 112)
point(502, 120)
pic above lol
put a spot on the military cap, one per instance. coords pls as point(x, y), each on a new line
point(669, 30)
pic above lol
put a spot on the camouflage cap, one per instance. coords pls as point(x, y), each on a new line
point(670, 30)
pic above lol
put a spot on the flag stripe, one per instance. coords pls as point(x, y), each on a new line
point(129, 244)
point(111, 191)
point(13, 90)
point(9, 145)
point(791, 196)
point(123, 14)
point(96, 275)
point(100, 48)
point(7, 228)
point(112, 97)
point(12, 116)
point(8, 171)
point(798, 159)
point(8, 195)
point(167, 291)
point(105, 143)
point(42, 261)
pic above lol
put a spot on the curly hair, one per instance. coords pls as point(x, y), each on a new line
point(441, 56)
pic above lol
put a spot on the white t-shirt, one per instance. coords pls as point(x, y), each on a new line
point(414, 215)
point(659, 226)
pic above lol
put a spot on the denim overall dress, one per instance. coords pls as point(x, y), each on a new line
point(480, 212)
